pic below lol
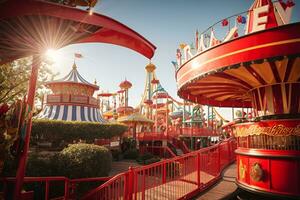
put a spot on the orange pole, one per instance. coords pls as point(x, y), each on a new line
point(30, 103)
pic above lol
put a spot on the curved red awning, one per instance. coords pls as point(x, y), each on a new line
point(30, 26)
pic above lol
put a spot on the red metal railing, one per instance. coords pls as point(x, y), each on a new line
point(192, 131)
point(149, 136)
point(70, 189)
point(176, 178)
point(161, 151)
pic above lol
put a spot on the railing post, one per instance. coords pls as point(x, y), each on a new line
point(198, 170)
point(164, 175)
point(229, 151)
point(219, 158)
point(47, 190)
point(67, 189)
point(129, 184)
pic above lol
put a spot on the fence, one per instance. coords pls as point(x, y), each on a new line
point(49, 187)
point(176, 178)
point(161, 151)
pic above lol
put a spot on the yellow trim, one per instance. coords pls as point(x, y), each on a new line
point(290, 97)
point(284, 98)
point(239, 51)
point(269, 97)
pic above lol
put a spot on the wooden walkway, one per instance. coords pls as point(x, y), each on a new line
point(223, 188)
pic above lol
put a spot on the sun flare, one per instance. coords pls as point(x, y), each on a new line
point(52, 55)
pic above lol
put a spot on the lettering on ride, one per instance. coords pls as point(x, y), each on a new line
point(258, 19)
point(276, 130)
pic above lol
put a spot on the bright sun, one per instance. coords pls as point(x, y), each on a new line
point(52, 55)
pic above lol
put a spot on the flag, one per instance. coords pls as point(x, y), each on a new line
point(78, 55)
point(175, 64)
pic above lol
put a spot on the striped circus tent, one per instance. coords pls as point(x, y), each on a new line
point(71, 99)
point(71, 113)
point(73, 77)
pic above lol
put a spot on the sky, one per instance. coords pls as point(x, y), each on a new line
point(166, 23)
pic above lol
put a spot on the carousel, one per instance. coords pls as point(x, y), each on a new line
point(256, 65)
point(71, 99)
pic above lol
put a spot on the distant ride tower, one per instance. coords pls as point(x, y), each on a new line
point(150, 85)
point(124, 108)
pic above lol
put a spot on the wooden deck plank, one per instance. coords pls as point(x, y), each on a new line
point(222, 189)
point(175, 189)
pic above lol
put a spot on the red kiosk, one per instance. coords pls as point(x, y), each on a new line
point(30, 27)
point(260, 69)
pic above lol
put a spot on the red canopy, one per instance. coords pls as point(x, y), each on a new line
point(30, 27)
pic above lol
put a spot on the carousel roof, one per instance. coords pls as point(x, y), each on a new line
point(135, 117)
point(73, 77)
point(30, 27)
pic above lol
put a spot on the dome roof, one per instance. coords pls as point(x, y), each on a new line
point(150, 67)
point(125, 85)
point(73, 77)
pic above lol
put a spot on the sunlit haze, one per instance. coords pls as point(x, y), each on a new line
point(165, 23)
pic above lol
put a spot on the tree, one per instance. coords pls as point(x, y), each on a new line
point(14, 77)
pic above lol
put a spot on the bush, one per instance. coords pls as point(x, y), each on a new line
point(57, 131)
point(131, 154)
point(151, 160)
point(147, 159)
point(84, 160)
point(144, 157)
point(127, 144)
point(75, 161)
point(116, 154)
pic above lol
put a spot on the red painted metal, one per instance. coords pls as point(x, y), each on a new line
point(172, 133)
point(30, 103)
point(89, 101)
point(161, 151)
point(70, 185)
point(255, 46)
point(106, 30)
point(283, 166)
point(197, 132)
point(191, 173)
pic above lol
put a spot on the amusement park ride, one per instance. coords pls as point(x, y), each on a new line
point(255, 66)
point(159, 118)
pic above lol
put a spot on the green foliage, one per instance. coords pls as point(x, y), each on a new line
point(75, 161)
point(151, 160)
point(131, 154)
point(127, 144)
point(14, 78)
point(84, 160)
point(147, 159)
point(145, 156)
point(116, 154)
point(57, 131)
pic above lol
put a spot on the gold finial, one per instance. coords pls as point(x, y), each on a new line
point(74, 66)
point(95, 82)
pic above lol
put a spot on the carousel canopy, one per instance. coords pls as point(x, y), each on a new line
point(135, 118)
point(71, 113)
point(73, 77)
point(30, 27)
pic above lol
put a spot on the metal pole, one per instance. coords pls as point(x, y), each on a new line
point(30, 103)
point(167, 121)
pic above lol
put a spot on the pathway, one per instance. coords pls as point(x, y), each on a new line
point(223, 188)
point(118, 167)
